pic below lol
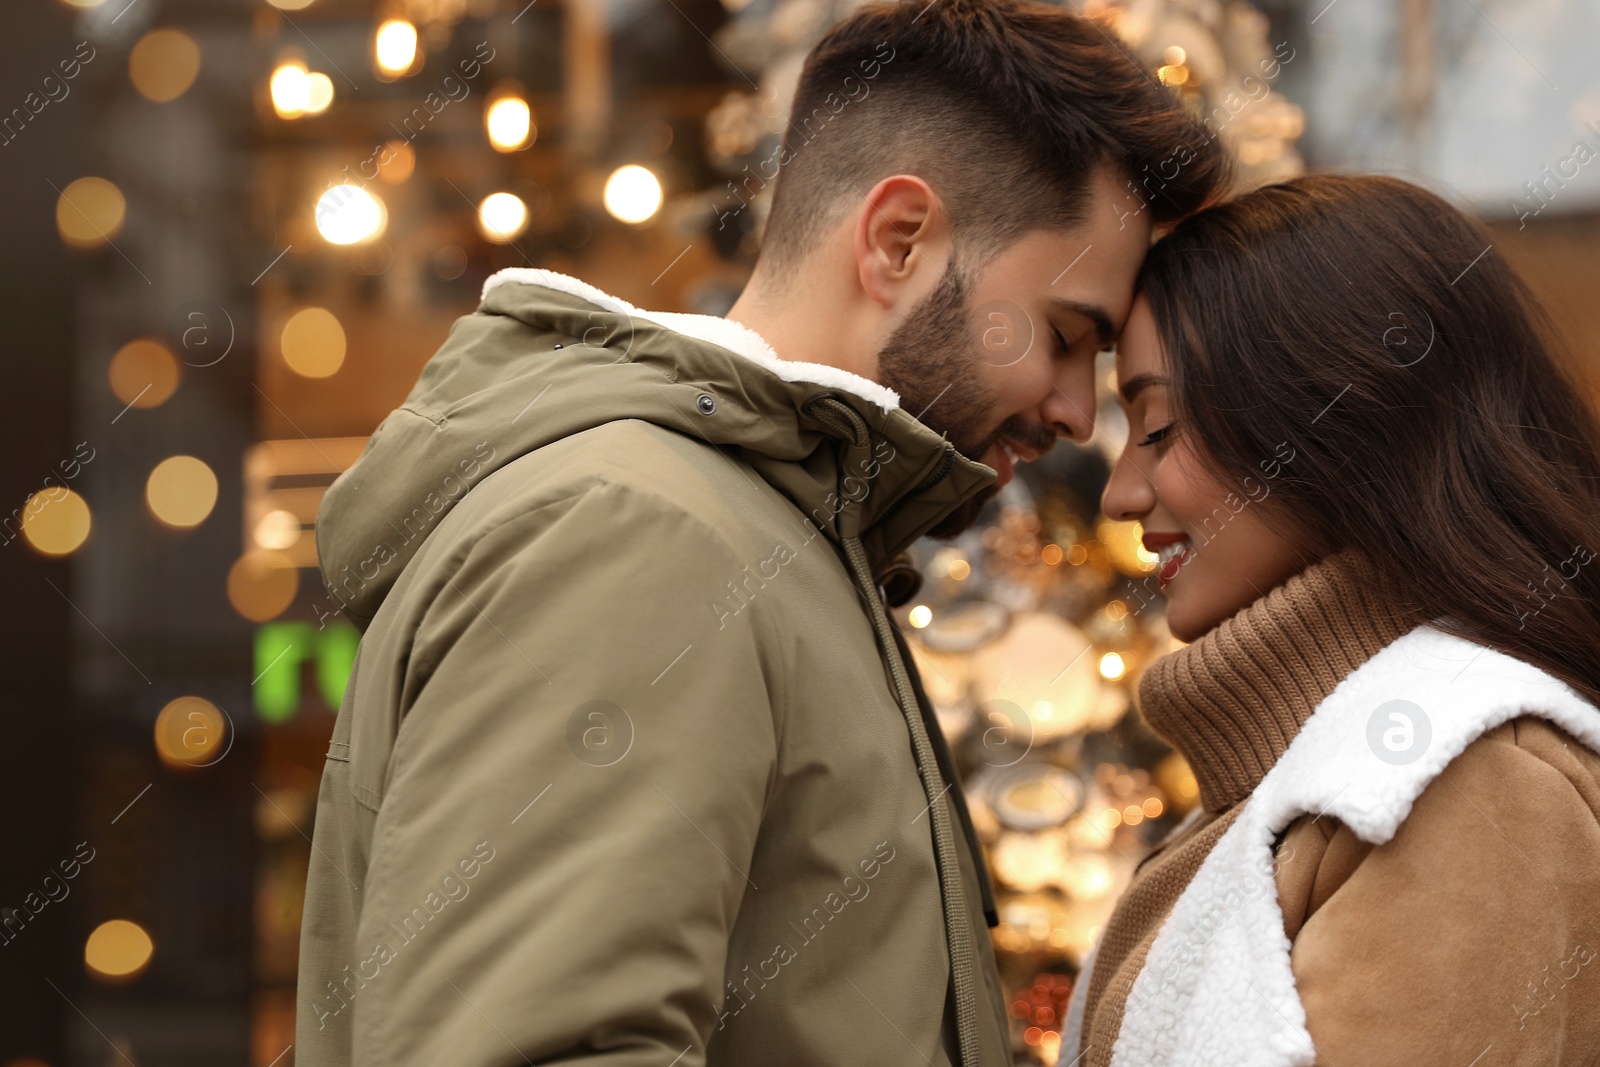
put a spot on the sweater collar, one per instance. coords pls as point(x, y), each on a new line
point(1232, 701)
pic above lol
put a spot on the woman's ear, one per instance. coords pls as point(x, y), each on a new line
point(902, 240)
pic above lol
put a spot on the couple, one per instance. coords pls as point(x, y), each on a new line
point(634, 766)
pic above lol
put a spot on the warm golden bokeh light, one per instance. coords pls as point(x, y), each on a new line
point(290, 87)
point(190, 731)
point(348, 214)
point(290, 5)
point(143, 373)
point(394, 47)
point(313, 343)
point(181, 491)
point(502, 217)
point(55, 521)
point(508, 120)
point(262, 583)
point(396, 162)
point(633, 194)
point(920, 616)
point(89, 212)
point(319, 93)
point(164, 64)
point(118, 949)
point(1112, 667)
point(277, 529)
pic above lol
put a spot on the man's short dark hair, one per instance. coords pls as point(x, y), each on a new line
point(1005, 107)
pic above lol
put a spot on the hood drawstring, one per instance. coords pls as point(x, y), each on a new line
point(849, 426)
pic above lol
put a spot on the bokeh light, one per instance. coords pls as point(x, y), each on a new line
point(118, 949)
point(920, 616)
point(290, 87)
point(502, 217)
point(633, 194)
point(394, 47)
point(277, 529)
point(348, 214)
point(396, 162)
point(319, 92)
point(1112, 667)
point(508, 120)
point(189, 731)
point(262, 584)
point(89, 212)
point(181, 491)
point(143, 373)
point(164, 64)
point(313, 343)
point(55, 521)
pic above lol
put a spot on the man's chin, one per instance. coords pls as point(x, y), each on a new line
point(964, 517)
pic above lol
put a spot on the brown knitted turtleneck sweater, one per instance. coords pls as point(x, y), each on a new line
point(1231, 703)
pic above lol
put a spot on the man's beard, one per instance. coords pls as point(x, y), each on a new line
point(929, 360)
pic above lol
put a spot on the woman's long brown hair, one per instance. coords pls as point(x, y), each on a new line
point(1373, 327)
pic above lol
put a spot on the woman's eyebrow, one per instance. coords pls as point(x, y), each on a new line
point(1138, 384)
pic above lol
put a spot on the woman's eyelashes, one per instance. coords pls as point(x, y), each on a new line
point(1155, 437)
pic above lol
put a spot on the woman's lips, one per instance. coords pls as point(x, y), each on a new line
point(1171, 551)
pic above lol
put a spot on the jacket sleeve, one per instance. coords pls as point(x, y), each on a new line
point(573, 799)
point(1473, 932)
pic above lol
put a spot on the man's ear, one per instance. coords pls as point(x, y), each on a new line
point(902, 233)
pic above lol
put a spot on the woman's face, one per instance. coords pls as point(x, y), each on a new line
point(1218, 547)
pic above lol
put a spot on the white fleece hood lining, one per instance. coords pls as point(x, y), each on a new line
point(725, 333)
point(1217, 988)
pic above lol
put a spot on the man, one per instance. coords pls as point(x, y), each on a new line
point(633, 767)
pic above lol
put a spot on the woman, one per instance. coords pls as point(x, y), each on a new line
point(1375, 498)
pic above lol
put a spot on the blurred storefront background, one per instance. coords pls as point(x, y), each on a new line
point(237, 229)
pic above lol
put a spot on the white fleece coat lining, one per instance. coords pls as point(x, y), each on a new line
point(1217, 988)
point(725, 333)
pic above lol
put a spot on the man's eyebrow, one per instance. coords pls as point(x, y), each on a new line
point(1138, 384)
point(1104, 333)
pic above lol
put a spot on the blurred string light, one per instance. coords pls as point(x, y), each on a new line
point(313, 343)
point(394, 48)
point(348, 214)
point(1112, 666)
point(262, 584)
point(290, 5)
point(189, 731)
point(920, 616)
point(278, 529)
point(143, 373)
point(508, 120)
point(633, 194)
point(89, 212)
point(297, 91)
point(164, 64)
point(1175, 70)
point(181, 491)
point(55, 521)
point(83, 3)
point(502, 217)
point(396, 162)
point(118, 949)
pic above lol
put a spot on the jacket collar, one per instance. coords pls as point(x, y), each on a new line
point(887, 485)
